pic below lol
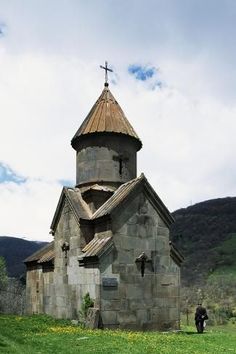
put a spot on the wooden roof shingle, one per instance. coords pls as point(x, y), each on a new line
point(106, 116)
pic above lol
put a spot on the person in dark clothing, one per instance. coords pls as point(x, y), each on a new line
point(200, 317)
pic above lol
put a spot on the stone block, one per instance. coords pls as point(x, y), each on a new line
point(109, 317)
point(149, 244)
point(127, 278)
point(162, 231)
point(46, 300)
point(122, 291)
point(161, 223)
point(142, 316)
point(72, 253)
point(110, 294)
point(72, 277)
point(129, 243)
point(163, 314)
point(168, 302)
point(136, 304)
point(74, 242)
point(132, 230)
point(174, 314)
point(61, 301)
point(124, 303)
point(121, 227)
point(118, 268)
point(61, 312)
point(126, 317)
point(97, 279)
point(164, 262)
point(154, 314)
point(106, 267)
point(93, 317)
point(133, 220)
point(126, 257)
point(130, 268)
point(162, 245)
point(134, 291)
point(114, 305)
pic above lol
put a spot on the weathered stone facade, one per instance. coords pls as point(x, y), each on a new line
point(111, 236)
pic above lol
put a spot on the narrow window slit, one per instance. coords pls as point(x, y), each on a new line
point(120, 166)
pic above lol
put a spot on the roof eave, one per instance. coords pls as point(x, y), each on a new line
point(78, 139)
point(156, 202)
point(176, 255)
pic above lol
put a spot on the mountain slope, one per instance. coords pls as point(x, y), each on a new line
point(15, 250)
point(206, 235)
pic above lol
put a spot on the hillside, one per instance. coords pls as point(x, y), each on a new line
point(15, 250)
point(206, 234)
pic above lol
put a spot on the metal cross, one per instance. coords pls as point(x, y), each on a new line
point(106, 70)
point(143, 259)
point(65, 248)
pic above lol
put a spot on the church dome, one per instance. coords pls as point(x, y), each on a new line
point(106, 116)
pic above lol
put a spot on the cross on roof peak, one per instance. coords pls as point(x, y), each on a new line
point(106, 75)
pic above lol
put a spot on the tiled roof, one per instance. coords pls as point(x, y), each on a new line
point(76, 202)
point(124, 191)
point(43, 255)
point(176, 255)
point(97, 246)
point(97, 187)
point(106, 116)
point(120, 194)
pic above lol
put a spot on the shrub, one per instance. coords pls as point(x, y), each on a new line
point(87, 302)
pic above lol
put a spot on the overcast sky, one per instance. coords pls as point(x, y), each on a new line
point(174, 76)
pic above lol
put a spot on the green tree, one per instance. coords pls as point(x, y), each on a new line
point(3, 273)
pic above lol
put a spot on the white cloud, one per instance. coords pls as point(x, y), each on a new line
point(27, 209)
point(50, 77)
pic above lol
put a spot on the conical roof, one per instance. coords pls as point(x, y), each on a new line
point(106, 116)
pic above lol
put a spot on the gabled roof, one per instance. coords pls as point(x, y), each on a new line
point(43, 255)
point(95, 249)
point(176, 255)
point(120, 194)
point(106, 116)
point(76, 202)
point(97, 246)
point(123, 192)
point(99, 188)
point(81, 209)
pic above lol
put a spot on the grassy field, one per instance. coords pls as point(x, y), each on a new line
point(41, 334)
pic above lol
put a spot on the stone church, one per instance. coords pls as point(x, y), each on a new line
point(110, 235)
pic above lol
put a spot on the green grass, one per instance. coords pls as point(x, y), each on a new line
point(42, 334)
point(226, 256)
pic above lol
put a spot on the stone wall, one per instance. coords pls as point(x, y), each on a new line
point(151, 301)
point(71, 281)
point(99, 159)
point(39, 290)
point(48, 292)
point(34, 290)
point(125, 298)
point(67, 231)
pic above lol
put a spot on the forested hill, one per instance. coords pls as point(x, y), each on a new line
point(206, 235)
point(15, 250)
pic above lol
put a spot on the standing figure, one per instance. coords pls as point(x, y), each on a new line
point(200, 317)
